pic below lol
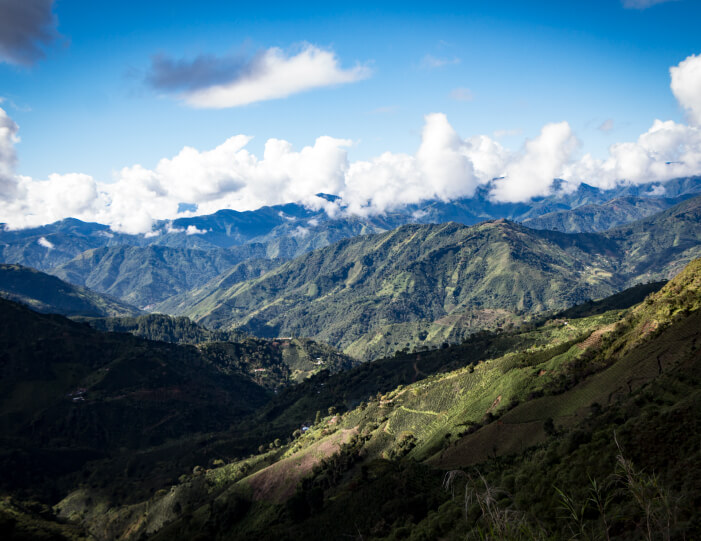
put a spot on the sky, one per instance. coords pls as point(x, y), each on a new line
point(127, 112)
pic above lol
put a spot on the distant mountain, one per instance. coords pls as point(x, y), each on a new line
point(145, 275)
point(356, 288)
point(292, 229)
point(600, 217)
point(46, 293)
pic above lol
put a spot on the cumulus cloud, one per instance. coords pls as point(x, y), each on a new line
point(8, 156)
point(686, 86)
point(26, 28)
point(193, 230)
point(445, 166)
point(643, 4)
point(221, 82)
point(531, 174)
point(667, 150)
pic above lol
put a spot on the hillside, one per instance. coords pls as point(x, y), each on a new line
point(600, 217)
point(658, 247)
point(339, 293)
point(48, 294)
point(377, 294)
point(70, 394)
point(270, 363)
point(146, 275)
point(571, 416)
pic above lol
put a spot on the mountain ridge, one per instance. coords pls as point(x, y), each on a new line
point(424, 272)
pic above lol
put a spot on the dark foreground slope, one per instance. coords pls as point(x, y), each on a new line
point(598, 415)
point(46, 293)
point(605, 424)
point(70, 394)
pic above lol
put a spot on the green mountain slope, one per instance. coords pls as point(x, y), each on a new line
point(658, 247)
point(412, 273)
point(379, 294)
point(604, 410)
point(46, 293)
point(146, 275)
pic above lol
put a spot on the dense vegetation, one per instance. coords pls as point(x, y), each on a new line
point(373, 295)
point(577, 428)
point(493, 408)
point(147, 275)
point(46, 293)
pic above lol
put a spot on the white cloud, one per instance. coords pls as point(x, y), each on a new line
point(8, 156)
point(432, 62)
point(643, 4)
point(667, 150)
point(193, 230)
point(686, 86)
point(43, 241)
point(272, 75)
point(461, 94)
point(532, 172)
point(445, 166)
point(656, 191)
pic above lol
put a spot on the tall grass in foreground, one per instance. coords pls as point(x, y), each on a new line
point(492, 515)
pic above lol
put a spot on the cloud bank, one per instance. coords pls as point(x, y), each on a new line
point(445, 166)
point(26, 28)
point(219, 82)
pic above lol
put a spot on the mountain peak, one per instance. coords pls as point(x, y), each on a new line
point(328, 197)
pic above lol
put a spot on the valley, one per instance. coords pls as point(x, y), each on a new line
point(376, 386)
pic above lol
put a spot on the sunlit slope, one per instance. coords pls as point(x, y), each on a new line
point(377, 469)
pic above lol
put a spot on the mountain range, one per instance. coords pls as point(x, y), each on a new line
point(376, 294)
point(511, 349)
point(286, 231)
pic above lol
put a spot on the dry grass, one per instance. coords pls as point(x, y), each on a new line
point(277, 482)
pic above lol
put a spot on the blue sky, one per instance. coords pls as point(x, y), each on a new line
point(87, 106)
